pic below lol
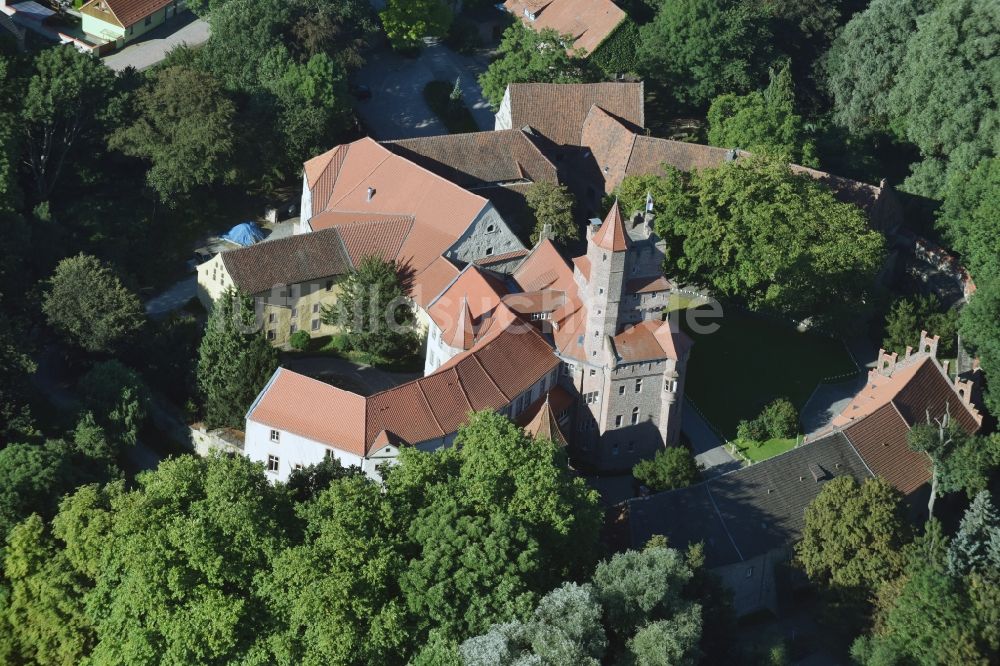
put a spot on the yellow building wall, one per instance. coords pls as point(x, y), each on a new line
point(302, 311)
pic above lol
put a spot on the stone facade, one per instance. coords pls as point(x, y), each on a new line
point(626, 410)
point(486, 236)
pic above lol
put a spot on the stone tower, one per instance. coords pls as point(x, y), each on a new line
point(607, 252)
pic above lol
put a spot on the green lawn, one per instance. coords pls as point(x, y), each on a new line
point(749, 362)
point(455, 115)
point(768, 449)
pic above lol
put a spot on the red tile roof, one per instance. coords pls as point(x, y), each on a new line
point(559, 110)
point(610, 142)
point(476, 291)
point(501, 258)
point(588, 22)
point(649, 341)
point(497, 370)
point(539, 419)
point(313, 409)
point(130, 12)
point(441, 210)
point(880, 439)
point(286, 261)
point(433, 280)
point(474, 159)
point(379, 238)
point(612, 235)
point(649, 284)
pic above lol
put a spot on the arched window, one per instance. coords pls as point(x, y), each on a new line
point(635, 415)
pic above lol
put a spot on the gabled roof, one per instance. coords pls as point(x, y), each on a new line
point(497, 370)
point(559, 110)
point(464, 306)
point(126, 12)
point(588, 22)
point(750, 511)
point(610, 141)
point(340, 182)
point(433, 280)
point(881, 440)
point(539, 419)
point(476, 159)
point(312, 409)
point(313, 256)
point(287, 261)
point(651, 340)
point(917, 387)
point(612, 235)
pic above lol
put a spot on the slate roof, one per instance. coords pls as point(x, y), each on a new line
point(475, 159)
point(559, 110)
point(750, 511)
point(286, 261)
point(588, 22)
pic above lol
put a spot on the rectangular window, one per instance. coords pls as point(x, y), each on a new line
point(593, 372)
point(638, 385)
point(293, 328)
point(591, 397)
point(275, 436)
point(621, 390)
point(272, 464)
point(315, 324)
point(296, 466)
point(270, 334)
point(635, 416)
point(271, 318)
point(295, 312)
point(670, 385)
point(631, 447)
point(315, 308)
point(618, 421)
point(329, 285)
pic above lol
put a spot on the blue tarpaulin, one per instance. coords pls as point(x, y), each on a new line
point(244, 233)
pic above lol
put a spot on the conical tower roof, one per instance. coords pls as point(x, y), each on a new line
point(612, 236)
point(463, 334)
point(544, 425)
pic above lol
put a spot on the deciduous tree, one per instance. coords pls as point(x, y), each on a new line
point(184, 128)
point(552, 205)
point(527, 56)
point(969, 221)
point(908, 316)
point(701, 48)
point(672, 467)
point(854, 534)
point(764, 120)
point(407, 22)
point(979, 324)
point(87, 303)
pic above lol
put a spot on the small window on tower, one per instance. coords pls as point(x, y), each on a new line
point(618, 421)
point(489, 251)
point(621, 390)
point(635, 415)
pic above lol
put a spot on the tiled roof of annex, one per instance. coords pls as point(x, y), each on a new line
point(496, 371)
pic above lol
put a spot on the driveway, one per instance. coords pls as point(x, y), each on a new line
point(153, 47)
point(397, 109)
point(706, 444)
point(173, 298)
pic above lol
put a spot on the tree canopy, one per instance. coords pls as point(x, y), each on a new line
point(762, 120)
point(672, 467)
point(183, 126)
point(372, 310)
point(525, 55)
point(854, 534)
point(234, 361)
point(699, 49)
point(552, 205)
point(968, 218)
point(753, 230)
point(407, 22)
point(908, 316)
point(979, 324)
point(88, 304)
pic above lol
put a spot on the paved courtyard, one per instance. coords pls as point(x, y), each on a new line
point(397, 109)
point(153, 47)
point(706, 445)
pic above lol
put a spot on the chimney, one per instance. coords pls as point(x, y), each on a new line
point(371, 193)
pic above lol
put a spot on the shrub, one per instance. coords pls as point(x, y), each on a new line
point(299, 340)
point(672, 467)
point(780, 419)
point(751, 431)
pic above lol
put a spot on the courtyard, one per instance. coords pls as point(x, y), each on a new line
point(749, 361)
